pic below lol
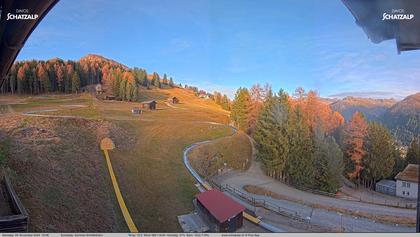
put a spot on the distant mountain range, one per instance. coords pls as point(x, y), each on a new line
point(402, 117)
point(371, 108)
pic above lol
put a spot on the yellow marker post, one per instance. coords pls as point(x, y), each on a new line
point(107, 144)
point(207, 186)
point(251, 218)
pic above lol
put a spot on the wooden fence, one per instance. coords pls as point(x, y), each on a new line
point(18, 220)
point(260, 202)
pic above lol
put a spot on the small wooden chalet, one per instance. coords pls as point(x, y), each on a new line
point(151, 105)
point(173, 100)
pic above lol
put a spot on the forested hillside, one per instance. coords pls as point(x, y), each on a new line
point(67, 76)
point(293, 135)
point(404, 118)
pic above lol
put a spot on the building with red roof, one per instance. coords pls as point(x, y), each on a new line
point(222, 212)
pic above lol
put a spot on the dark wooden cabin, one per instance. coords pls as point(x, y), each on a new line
point(110, 97)
point(174, 100)
point(149, 105)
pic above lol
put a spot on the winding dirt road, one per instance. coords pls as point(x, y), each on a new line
point(205, 185)
point(307, 205)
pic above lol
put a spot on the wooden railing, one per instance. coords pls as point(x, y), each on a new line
point(18, 221)
point(259, 202)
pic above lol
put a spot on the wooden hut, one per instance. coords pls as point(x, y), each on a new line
point(173, 100)
point(110, 97)
point(149, 105)
point(220, 211)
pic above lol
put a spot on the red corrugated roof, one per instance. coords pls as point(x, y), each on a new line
point(219, 204)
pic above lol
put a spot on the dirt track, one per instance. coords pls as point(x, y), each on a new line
point(303, 203)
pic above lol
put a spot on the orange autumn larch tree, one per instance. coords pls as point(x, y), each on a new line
point(354, 134)
point(60, 77)
point(317, 113)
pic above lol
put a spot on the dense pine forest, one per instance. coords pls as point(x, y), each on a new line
point(56, 75)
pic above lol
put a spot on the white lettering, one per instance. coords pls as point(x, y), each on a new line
point(21, 16)
point(387, 16)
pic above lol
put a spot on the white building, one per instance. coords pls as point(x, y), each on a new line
point(98, 89)
point(407, 181)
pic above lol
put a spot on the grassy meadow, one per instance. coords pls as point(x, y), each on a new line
point(147, 159)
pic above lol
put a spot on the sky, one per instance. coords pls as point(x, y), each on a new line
point(226, 44)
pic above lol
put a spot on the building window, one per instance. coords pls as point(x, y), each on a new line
point(406, 184)
point(408, 193)
point(403, 192)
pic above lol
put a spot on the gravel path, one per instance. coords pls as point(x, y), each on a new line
point(370, 196)
point(321, 217)
point(302, 202)
point(240, 179)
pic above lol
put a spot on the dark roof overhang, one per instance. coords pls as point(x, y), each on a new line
point(15, 32)
point(369, 16)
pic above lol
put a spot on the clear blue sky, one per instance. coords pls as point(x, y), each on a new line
point(224, 44)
